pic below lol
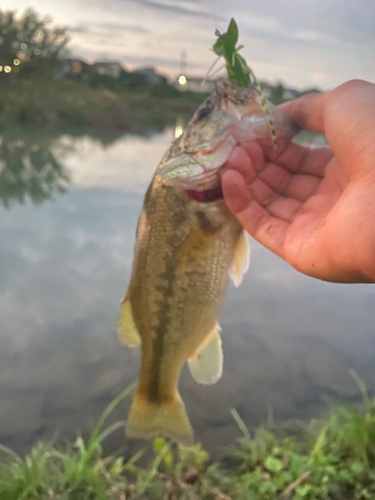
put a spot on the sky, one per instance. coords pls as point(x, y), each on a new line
point(301, 43)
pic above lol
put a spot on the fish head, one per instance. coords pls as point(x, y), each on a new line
point(230, 115)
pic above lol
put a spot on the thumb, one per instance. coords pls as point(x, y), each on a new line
point(308, 111)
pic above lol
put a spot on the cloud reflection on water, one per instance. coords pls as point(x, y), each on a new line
point(128, 164)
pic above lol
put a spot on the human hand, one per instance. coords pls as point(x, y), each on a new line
point(315, 208)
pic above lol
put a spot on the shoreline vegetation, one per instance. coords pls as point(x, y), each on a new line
point(329, 459)
point(67, 102)
point(41, 103)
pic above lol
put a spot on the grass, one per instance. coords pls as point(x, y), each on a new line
point(332, 459)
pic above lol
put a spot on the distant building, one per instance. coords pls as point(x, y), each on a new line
point(150, 75)
point(71, 68)
point(109, 68)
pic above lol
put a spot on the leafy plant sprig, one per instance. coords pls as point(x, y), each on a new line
point(238, 71)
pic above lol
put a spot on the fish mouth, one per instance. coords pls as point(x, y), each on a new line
point(198, 174)
point(207, 196)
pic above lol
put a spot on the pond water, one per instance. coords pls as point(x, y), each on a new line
point(69, 208)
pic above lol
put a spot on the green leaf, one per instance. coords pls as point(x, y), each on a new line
point(225, 46)
point(357, 468)
point(232, 33)
point(218, 48)
point(304, 490)
point(273, 464)
point(226, 43)
point(236, 75)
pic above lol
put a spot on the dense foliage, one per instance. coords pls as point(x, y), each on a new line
point(29, 45)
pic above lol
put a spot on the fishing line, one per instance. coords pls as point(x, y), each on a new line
point(217, 33)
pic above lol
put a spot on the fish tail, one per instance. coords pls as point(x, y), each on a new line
point(148, 420)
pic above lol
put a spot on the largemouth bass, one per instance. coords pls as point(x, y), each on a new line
point(188, 244)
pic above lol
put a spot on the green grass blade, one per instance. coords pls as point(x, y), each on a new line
point(103, 417)
point(110, 429)
point(362, 387)
point(9, 452)
point(240, 423)
point(153, 469)
point(129, 464)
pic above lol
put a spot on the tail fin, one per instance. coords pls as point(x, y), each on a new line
point(150, 420)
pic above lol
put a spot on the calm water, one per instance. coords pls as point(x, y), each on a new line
point(64, 266)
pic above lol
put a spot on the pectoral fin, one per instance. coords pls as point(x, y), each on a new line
point(206, 365)
point(241, 261)
point(127, 331)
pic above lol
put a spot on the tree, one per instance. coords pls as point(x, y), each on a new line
point(277, 94)
point(29, 46)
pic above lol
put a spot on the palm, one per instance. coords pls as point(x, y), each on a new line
point(312, 208)
point(295, 206)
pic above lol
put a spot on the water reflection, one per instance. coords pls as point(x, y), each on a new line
point(36, 165)
point(64, 266)
point(29, 169)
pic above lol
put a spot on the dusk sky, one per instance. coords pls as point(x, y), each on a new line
point(300, 42)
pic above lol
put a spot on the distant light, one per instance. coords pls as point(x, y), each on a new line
point(7, 69)
point(37, 52)
point(1, 69)
point(16, 62)
point(77, 68)
point(23, 46)
point(182, 80)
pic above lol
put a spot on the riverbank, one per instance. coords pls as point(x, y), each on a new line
point(58, 103)
point(329, 459)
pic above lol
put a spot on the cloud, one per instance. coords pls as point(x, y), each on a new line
point(284, 39)
point(189, 8)
point(105, 28)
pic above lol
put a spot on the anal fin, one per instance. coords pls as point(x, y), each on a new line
point(206, 365)
point(127, 331)
point(241, 260)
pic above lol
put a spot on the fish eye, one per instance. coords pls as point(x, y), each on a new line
point(203, 113)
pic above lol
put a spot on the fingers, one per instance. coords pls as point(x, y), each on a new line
point(276, 205)
point(248, 160)
point(308, 111)
point(301, 159)
point(297, 186)
point(295, 157)
point(240, 160)
point(268, 230)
